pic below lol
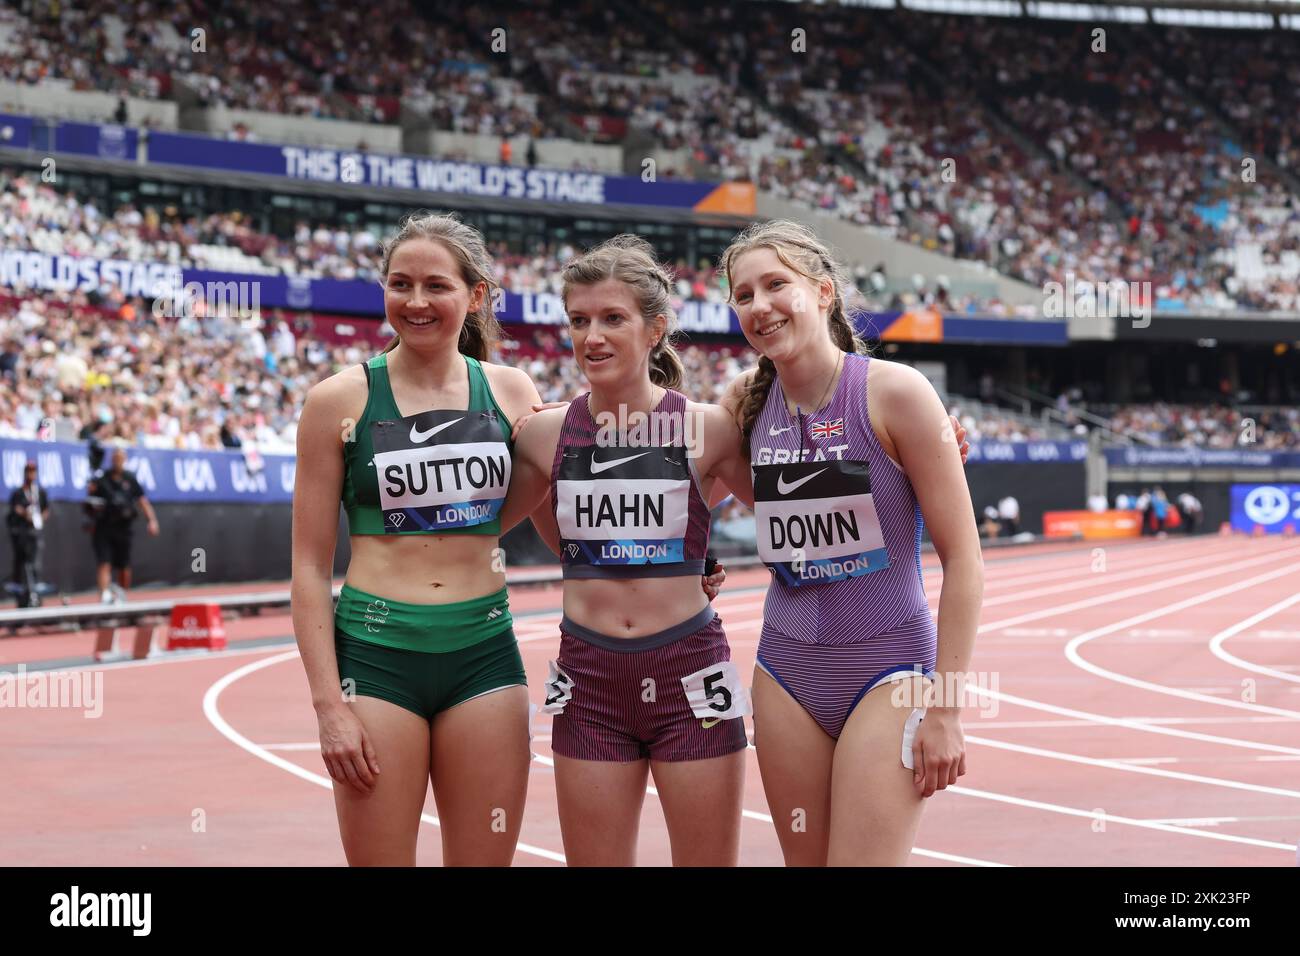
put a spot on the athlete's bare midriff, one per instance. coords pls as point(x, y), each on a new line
point(426, 568)
point(633, 607)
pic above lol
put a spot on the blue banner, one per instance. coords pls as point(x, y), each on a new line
point(15, 131)
point(1024, 452)
point(39, 270)
point(386, 170)
point(344, 167)
point(1275, 508)
point(1201, 458)
point(961, 328)
point(393, 170)
point(91, 139)
point(165, 475)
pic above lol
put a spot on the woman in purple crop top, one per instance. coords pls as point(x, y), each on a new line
point(643, 682)
point(847, 453)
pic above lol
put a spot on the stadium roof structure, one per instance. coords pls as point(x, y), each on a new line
point(1230, 14)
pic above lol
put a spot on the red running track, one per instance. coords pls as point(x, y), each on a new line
point(1141, 706)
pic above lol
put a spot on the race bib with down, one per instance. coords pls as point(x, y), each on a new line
point(622, 505)
point(715, 692)
point(440, 470)
point(816, 521)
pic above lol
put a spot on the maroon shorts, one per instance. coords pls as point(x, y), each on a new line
point(674, 695)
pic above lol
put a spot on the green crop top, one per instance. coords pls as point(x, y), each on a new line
point(444, 471)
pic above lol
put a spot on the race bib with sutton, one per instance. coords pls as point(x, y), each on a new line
point(440, 470)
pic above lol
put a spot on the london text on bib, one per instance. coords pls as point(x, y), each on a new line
point(440, 470)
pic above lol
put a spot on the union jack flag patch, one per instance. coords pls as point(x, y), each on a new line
point(833, 429)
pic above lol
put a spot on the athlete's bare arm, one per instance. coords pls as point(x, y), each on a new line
point(516, 394)
point(919, 438)
point(329, 413)
point(917, 434)
point(534, 454)
point(330, 408)
point(732, 467)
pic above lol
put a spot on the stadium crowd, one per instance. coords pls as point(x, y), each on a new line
point(76, 367)
point(1210, 426)
point(1115, 170)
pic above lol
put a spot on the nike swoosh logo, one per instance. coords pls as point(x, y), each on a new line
point(785, 489)
point(708, 722)
point(773, 431)
point(418, 436)
point(598, 466)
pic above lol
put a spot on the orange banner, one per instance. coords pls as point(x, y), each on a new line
point(739, 199)
point(915, 325)
point(1092, 524)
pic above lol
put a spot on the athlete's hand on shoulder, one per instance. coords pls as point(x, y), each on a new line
point(712, 583)
point(939, 751)
point(959, 436)
point(346, 749)
point(523, 419)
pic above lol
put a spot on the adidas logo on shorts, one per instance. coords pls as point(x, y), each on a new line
point(494, 614)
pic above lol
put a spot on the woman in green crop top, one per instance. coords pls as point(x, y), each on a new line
point(417, 675)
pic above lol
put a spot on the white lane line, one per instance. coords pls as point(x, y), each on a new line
point(1142, 590)
point(1113, 818)
point(1074, 657)
point(1207, 821)
point(1170, 721)
point(213, 714)
point(1095, 579)
point(1083, 558)
point(1213, 821)
point(1129, 722)
point(1136, 765)
point(1216, 642)
point(181, 657)
point(763, 817)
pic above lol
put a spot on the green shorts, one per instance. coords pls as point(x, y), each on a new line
point(425, 658)
point(426, 628)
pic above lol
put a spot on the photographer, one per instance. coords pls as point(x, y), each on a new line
point(29, 511)
point(111, 500)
